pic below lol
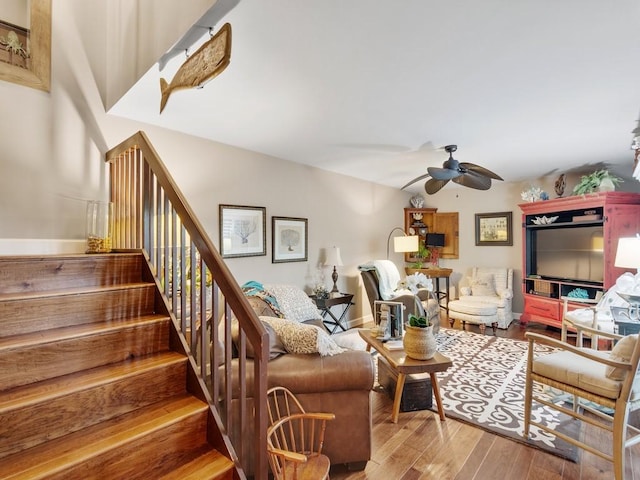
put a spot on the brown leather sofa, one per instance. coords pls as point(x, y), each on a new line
point(340, 384)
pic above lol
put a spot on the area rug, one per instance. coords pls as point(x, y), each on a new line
point(485, 387)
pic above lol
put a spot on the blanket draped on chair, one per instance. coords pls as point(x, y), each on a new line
point(388, 276)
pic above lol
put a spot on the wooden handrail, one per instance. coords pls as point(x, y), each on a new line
point(151, 213)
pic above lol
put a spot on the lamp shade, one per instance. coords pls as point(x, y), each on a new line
point(435, 240)
point(628, 253)
point(333, 257)
point(407, 243)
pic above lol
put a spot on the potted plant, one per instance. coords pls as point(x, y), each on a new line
point(419, 342)
point(420, 257)
point(600, 180)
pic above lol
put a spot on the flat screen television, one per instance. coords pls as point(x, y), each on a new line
point(572, 253)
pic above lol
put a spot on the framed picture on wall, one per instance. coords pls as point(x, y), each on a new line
point(494, 229)
point(289, 242)
point(242, 231)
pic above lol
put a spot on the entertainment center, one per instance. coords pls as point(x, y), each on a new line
point(569, 248)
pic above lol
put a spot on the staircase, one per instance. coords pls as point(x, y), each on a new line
point(94, 381)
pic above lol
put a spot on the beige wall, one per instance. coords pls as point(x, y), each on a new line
point(52, 162)
point(53, 145)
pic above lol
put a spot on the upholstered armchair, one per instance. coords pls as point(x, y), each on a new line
point(490, 285)
point(381, 277)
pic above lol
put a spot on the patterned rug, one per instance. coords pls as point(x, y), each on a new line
point(485, 388)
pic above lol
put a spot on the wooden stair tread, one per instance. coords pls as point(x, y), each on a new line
point(77, 447)
point(72, 291)
point(58, 334)
point(212, 465)
point(66, 256)
point(57, 387)
point(96, 384)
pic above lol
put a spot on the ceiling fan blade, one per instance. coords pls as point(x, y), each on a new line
point(421, 177)
point(480, 170)
point(433, 185)
point(443, 173)
point(473, 180)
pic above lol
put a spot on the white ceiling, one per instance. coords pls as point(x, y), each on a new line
point(370, 88)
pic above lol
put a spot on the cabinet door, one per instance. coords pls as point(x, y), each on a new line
point(447, 223)
point(418, 221)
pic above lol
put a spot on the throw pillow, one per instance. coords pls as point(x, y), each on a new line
point(276, 347)
point(621, 353)
point(294, 303)
point(483, 285)
point(302, 338)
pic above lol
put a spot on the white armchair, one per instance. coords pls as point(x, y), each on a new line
point(491, 285)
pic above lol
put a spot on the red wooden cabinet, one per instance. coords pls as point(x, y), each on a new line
point(569, 246)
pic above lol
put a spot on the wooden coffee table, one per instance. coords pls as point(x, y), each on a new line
point(404, 366)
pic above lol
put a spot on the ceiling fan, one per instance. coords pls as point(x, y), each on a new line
point(463, 173)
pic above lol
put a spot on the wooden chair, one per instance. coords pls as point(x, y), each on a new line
point(607, 378)
point(295, 438)
point(591, 315)
point(282, 403)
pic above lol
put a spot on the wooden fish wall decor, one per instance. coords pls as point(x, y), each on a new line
point(203, 65)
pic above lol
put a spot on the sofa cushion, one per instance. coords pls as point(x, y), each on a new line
point(621, 353)
point(303, 338)
point(294, 303)
point(583, 372)
point(276, 347)
point(499, 302)
point(351, 370)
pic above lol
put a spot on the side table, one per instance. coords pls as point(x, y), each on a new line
point(436, 273)
point(325, 304)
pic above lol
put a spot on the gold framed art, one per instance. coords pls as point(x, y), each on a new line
point(494, 229)
point(36, 72)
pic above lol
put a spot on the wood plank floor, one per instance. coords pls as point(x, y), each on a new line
point(419, 446)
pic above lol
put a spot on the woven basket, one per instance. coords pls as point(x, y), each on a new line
point(541, 287)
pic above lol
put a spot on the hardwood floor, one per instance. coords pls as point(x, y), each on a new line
point(419, 446)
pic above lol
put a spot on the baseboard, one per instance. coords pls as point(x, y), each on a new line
point(44, 246)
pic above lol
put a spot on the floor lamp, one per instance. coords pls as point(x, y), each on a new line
point(405, 243)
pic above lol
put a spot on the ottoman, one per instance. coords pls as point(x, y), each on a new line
point(474, 311)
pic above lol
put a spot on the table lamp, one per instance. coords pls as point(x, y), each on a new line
point(628, 253)
point(333, 258)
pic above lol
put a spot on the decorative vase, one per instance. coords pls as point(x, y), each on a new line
point(419, 343)
point(99, 226)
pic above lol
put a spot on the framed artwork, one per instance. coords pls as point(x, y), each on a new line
point(242, 231)
point(289, 242)
point(25, 56)
point(494, 229)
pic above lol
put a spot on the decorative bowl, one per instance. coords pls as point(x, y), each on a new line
point(544, 220)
